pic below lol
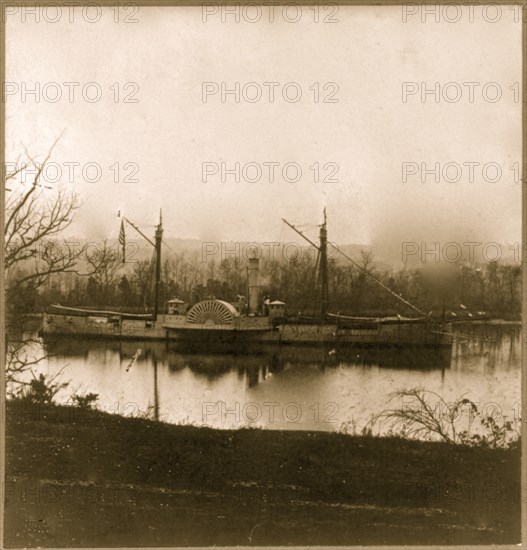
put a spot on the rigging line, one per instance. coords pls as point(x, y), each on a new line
point(378, 281)
point(316, 278)
point(307, 225)
point(301, 234)
point(151, 274)
point(165, 244)
point(316, 261)
point(145, 237)
point(360, 267)
point(139, 231)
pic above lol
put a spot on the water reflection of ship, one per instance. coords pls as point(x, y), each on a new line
point(404, 357)
point(257, 368)
point(221, 359)
point(160, 365)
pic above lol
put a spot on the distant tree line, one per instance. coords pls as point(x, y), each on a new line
point(464, 290)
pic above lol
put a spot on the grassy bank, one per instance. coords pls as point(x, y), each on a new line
point(78, 478)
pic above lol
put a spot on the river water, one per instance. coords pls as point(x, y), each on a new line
point(289, 387)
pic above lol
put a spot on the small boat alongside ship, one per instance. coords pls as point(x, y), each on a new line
point(250, 320)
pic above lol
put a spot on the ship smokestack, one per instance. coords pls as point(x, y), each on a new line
point(254, 285)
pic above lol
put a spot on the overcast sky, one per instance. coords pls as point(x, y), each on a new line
point(369, 133)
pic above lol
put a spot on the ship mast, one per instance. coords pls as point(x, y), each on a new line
point(323, 267)
point(157, 247)
point(323, 264)
point(323, 270)
point(159, 238)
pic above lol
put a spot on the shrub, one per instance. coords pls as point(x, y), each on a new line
point(85, 401)
point(41, 390)
point(418, 417)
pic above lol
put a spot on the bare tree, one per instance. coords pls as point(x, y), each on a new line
point(19, 360)
point(106, 264)
point(142, 280)
point(359, 279)
point(35, 215)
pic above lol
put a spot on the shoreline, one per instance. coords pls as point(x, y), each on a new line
point(87, 478)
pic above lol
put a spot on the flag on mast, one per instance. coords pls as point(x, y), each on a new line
point(122, 239)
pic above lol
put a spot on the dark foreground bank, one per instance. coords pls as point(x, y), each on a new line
point(86, 478)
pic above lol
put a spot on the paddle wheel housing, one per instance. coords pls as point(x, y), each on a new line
point(212, 312)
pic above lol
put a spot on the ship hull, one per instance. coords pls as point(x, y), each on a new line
point(166, 328)
point(415, 334)
point(65, 326)
point(331, 334)
point(205, 336)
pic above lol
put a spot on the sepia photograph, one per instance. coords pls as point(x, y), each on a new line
point(263, 274)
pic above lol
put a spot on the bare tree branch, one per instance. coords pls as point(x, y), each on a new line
point(35, 216)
